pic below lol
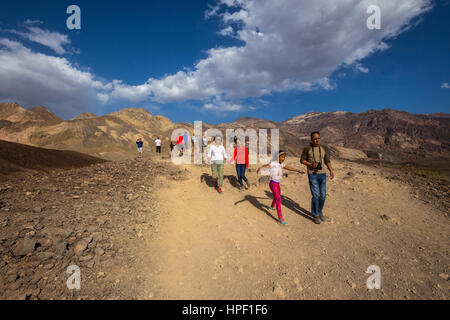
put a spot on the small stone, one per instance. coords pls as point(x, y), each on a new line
point(37, 209)
point(12, 277)
point(278, 291)
point(99, 251)
point(49, 266)
point(25, 247)
point(14, 286)
point(351, 284)
point(80, 247)
point(61, 248)
point(87, 257)
point(444, 276)
point(76, 197)
point(42, 256)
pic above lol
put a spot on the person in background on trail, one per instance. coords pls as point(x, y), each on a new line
point(139, 143)
point(276, 172)
point(235, 139)
point(185, 142)
point(216, 155)
point(171, 146)
point(241, 156)
point(158, 145)
point(180, 145)
point(314, 157)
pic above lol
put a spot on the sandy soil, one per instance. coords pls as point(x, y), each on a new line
point(147, 229)
point(229, 246)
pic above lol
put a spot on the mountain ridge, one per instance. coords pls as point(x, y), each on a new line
point(390, 135)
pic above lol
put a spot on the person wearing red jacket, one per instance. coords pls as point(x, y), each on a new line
point(241, 156)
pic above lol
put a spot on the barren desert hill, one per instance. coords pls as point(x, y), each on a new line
point(12, 112)
point(387, 135)
point(391, 135)
point(85, 115)
point(111, 136)
point(15, 157)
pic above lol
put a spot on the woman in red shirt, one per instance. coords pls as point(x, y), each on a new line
point(241, 156)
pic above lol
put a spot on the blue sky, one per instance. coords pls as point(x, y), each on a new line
point(219, 60)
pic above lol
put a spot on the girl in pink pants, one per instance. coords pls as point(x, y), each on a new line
point(276, 172)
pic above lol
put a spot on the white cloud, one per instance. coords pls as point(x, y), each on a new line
point(103, 97)
point(54, 40)
point(445, 85)
point(217, 104)
point(361, 68)
point(288, 45)
point(32, 78)
point(228, 31)
point(130, 93)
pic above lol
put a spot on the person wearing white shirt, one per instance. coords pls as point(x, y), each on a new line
point(216, 155)
point(158, 145)
point(276, 173)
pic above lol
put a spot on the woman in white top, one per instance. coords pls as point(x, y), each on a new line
point(276, 172)
point(216, 155)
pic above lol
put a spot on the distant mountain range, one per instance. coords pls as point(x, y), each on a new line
point(390, 135)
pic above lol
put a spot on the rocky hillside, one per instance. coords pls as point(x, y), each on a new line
point(110, 136)
point(15, 157)
point(392, 135)
point(388, 135)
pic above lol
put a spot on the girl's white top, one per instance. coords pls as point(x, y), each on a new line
point(276, 171)
point(217, 153)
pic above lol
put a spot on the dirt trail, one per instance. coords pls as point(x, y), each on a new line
point(229, 246)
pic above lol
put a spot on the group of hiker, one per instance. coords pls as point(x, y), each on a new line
point(315, 157)
point(140, 144)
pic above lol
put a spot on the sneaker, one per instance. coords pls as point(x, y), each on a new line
point(284, 223)
point(270, 208)
point(241, 188)
point(220, 190)
point(323, 218)
point(317, 220)
point(248, 184)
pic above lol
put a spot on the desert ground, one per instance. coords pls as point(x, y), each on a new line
point(148, 229)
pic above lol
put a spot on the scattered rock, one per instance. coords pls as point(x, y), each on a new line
point(80, 247)
point(25, 247)
point(37, 209)
point(444, 276)
point(42, 256)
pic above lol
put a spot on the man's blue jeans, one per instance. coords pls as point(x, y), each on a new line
point(318, 186)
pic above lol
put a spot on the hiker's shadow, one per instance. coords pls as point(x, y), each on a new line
point(233, 181)
point(255, 202)
point(208, 179)
point(294, 206)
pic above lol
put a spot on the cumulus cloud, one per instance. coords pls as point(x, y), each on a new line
point(32, 78)
point(361, 68)
point(288, 45)
point(445, 85)
point(54, 40)
point(218, 104)
point(130, 93)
